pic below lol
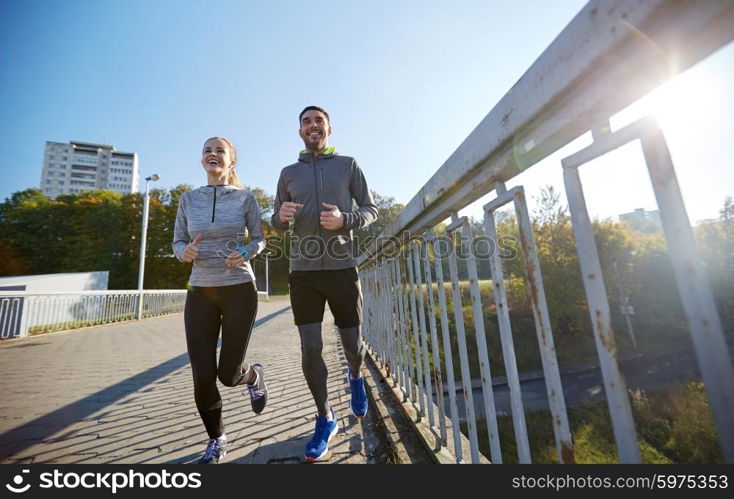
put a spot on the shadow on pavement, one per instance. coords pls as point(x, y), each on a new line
point(19, 438)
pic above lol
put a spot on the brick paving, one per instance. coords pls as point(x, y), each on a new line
point(122, 393)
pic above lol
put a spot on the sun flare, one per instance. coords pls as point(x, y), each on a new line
point(687, 108)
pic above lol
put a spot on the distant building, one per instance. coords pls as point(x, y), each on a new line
point(81, 166)
point(642, 220)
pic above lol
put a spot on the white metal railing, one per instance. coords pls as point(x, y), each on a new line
point(24, 313)
point(611, 54)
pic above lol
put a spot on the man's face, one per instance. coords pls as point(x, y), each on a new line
point(315, 130)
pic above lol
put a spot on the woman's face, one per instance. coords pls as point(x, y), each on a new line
point(216, 157)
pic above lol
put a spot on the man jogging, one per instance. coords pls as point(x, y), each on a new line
point(315, 197)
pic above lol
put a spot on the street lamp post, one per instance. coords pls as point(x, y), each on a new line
point(625, 306)
point(143, 236)
point(267, 284)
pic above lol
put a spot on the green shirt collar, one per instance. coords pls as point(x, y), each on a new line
point(326, 152)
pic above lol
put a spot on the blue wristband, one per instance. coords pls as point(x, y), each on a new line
point(242, 251)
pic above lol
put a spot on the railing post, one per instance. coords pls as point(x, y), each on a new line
point(396, 371)
point(466, 381)
point(424, 338)
point(399, 369)
point(382, 316)
point(508, 346)
point(434, 342)
point(404, 355)
point(416, 333)
point(448, 355)
point(709, 343)
point(481, 339)
point(546, 344)
point(596, 295)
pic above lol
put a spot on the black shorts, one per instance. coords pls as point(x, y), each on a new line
point(311, 289)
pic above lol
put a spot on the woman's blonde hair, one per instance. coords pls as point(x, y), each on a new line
point(233, 179)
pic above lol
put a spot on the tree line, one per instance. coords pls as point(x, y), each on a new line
point(100, 230)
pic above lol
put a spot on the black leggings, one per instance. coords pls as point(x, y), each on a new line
point(233, 308)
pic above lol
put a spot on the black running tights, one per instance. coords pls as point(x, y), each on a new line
point(233, 309)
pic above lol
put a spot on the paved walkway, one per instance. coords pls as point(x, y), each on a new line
point(122, 393)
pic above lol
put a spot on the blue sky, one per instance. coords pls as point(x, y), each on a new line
point(404, 81)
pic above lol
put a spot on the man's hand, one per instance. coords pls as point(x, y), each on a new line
point(288, 211)
point(333, 219)
point(191, 250)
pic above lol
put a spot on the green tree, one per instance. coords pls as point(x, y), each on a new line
point(11, 263)
point(99, 235)
point(387, 211)
point(559, 264)
point(162, 270)
point(35, 227)
point(100, 230)
point(716, 242)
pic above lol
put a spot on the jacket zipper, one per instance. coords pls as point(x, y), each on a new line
point(316, 186)
point(321, 172)
point(214, 206)
point(318, 203)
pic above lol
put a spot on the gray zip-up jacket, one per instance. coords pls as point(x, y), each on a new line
point(225, 216)
point(332, 179)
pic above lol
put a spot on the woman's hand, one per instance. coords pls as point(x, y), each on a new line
point(236, 258)
point(191, 251)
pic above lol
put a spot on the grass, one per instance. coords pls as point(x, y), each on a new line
point(673, 426)
point(60, 326)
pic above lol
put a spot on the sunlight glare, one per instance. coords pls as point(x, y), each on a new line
point(687, 108)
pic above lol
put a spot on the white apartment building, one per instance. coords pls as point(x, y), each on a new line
point(81, 166)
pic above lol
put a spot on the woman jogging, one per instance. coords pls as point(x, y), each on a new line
point(212, 224)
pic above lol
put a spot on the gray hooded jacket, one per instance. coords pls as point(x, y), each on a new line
point(328, 178)
point(225, 216)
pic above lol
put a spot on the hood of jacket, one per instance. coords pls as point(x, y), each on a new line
point(306, 156)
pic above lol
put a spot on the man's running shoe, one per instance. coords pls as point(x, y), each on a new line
point(318, 446)
point(359, 396)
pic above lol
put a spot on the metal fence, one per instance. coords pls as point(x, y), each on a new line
point(611, 54)
point(24, 313)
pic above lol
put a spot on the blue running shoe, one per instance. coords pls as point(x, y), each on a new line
point(359, 396)
point(318, 446)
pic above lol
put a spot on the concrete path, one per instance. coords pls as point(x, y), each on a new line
point(123, 393)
